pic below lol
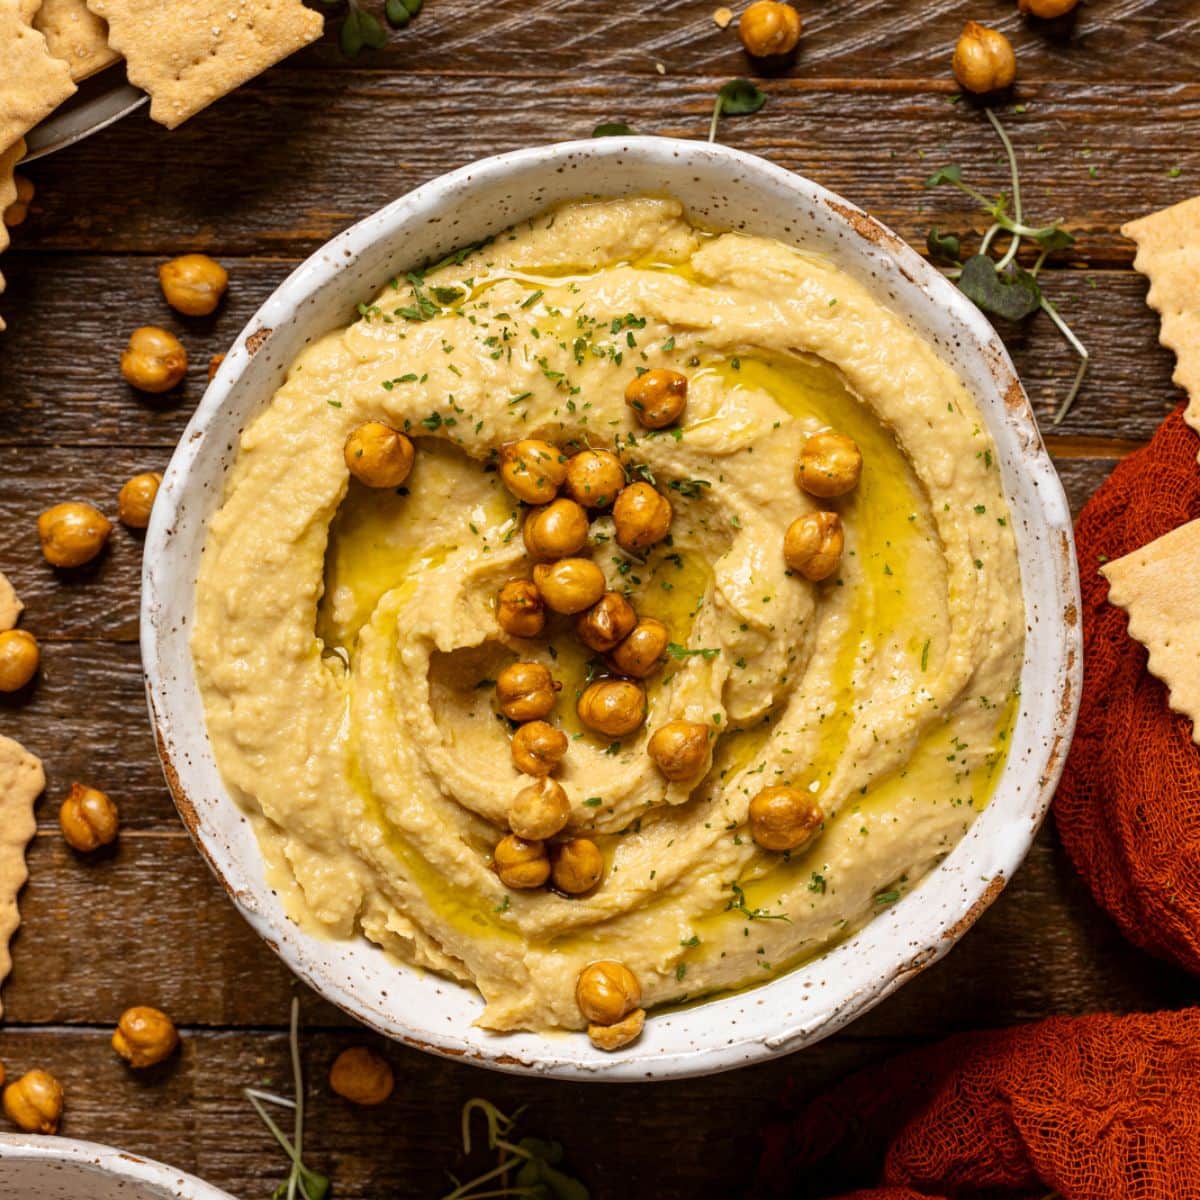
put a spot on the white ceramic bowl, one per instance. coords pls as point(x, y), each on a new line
point(53, 1168)
point(722, 188)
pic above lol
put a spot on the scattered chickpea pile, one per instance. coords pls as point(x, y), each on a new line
point(34, 1103)
point(535, 852)
point(984, 60)
point(73, 534)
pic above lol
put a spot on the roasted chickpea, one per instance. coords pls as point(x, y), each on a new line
point(610, 620)
point(812, 545)
point(19, 658)
point(657, 397)
point(154, 360)
point(521, 864)
point(362, 1076)
point(769, 30)
point(1048, 10)
point(784, 818)
point(983, 61)
point(613, 1037)
point(144, 1036)
point(594, 477)
point(193, 284)
point(526, 691)
point(378, 455)
point(521, 611)
point(557, 530)
point(533, 470)
point(538, 747)
point(642, 517)
point(539, 811)
point(72, 534)
point(680, 749)
point(569, 585)
point(136, 499)
point(642, 650)
point(829, 465)
point(88, 819)
point(576, 866)
point(18, 210)
point(607, 992)
point(34, 1102)
point(613, 707)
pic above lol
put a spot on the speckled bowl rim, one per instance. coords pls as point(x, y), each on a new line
point(812, 1001)
point(105, 1161)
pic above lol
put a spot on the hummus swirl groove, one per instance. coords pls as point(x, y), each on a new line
point(347, 644)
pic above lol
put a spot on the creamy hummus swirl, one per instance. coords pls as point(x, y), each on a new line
point(346, 639)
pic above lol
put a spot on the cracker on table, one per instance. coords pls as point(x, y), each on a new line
point(22, 781)
point(8, 193)
point(76, 35)
point(188, 54)
point(33, 83)
point(10, 605)
point(1154, 586)
point(28, 9)
point(1168, 254)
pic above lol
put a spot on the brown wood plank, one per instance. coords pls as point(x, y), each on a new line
point(191, 1112)
point(148, 923)
point(365, 138)
point(60, 383)
point(1105, 39)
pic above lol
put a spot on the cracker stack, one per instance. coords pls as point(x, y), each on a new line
point(1155, 583)
point(184, 53)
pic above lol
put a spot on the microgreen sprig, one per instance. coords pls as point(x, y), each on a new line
point(302, 1183)
point(528, 1167)
point(735, 99)
point(360, 28)
point(1001, 286)
point(738, 904)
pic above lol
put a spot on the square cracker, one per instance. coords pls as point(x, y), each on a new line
point(1154, 586)
point(8, 193)
point(1168, 254)
point(189, 53)
point(75, 34)
point(10, 606)
point(21, 783)
point(33, 83)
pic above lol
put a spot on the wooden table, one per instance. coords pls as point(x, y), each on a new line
point(1108, 131)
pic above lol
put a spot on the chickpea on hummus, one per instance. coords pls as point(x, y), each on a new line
point(615, 614)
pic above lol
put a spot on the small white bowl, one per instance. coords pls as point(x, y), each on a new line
point(53, 1168)
point(724, 189)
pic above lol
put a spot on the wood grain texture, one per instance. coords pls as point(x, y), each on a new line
point(262, 179)
point(364, 139)
point(191, 1112)
point(61, 384)
point(885, 39)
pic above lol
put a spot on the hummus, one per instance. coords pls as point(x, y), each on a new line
point(347, 645)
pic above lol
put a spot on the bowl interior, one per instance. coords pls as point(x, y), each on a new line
point(724, 189)
point(61, 1169)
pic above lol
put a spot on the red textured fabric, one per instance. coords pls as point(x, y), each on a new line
point(1128, 806)
point(1082, 1108)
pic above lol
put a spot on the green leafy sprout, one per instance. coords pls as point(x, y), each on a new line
point(529, 1166)
point(737, 98)
point(1001, 286)
point(301, 1183)
point(360, 28)
point(613, 129)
